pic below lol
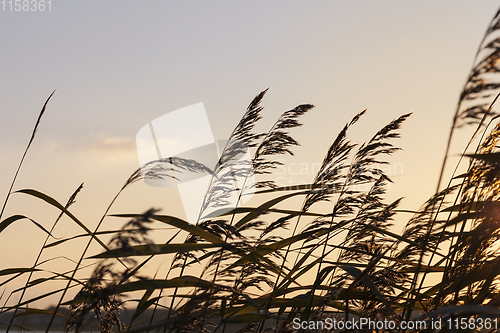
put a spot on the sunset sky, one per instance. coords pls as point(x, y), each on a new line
point(117, 65)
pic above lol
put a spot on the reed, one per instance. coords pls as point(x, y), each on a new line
point(261, 267)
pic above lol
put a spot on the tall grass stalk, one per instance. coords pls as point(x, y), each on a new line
point(33, 134)
point(347, 261)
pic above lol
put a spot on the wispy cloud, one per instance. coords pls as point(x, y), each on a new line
point(113, 143)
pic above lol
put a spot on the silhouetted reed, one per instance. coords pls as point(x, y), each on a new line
point(259, 267)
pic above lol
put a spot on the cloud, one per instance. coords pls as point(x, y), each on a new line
point(113, 144)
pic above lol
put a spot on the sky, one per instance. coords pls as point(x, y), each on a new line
point(118, 65)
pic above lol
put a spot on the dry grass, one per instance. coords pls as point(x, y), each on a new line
point(261, 267)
